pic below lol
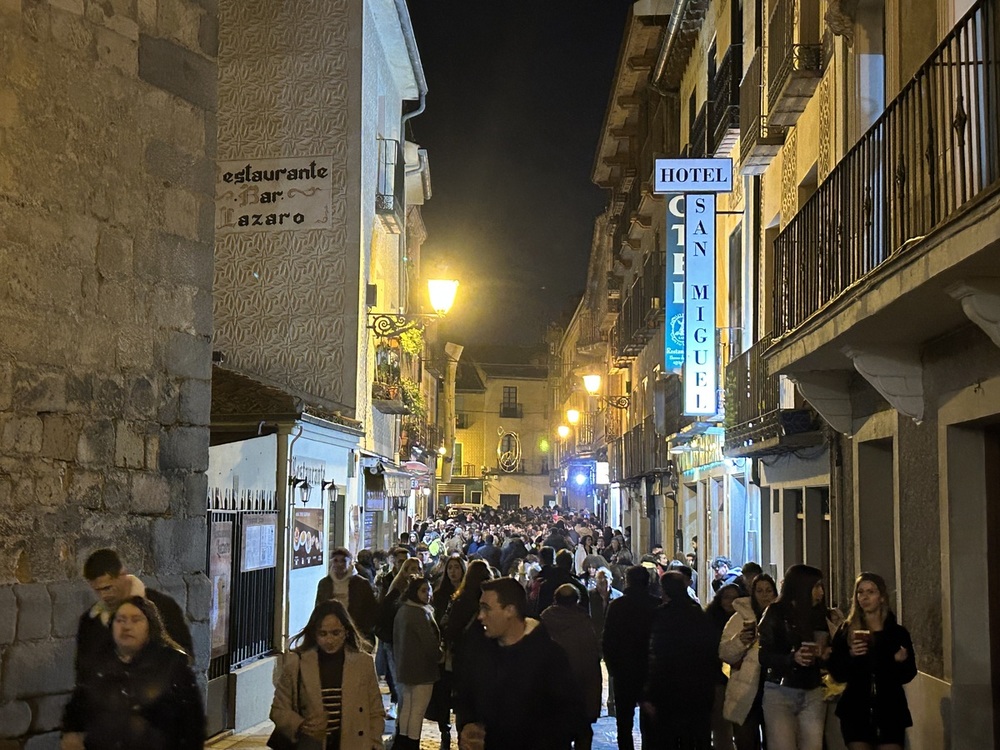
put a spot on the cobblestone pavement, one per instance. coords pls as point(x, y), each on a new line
point(605, 734)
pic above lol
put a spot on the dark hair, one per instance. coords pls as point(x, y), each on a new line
point(365, 556)
point(796, 600)
point(720, 561)
point(674, 586)
point(753, 589)
point(509, 593)
point(566, 595)
point(157, 633)
point(638, 576)
point(102, 562)
point(414, 586)
point(564, 559)
point(715, 610)
point(306, 637)
point(489, 539)
point(477, 572)
point(751, 570)
point(340, 552)
point(547, 555)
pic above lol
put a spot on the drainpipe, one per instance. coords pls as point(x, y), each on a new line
point(411, 49)
point(452, 352)
point(669, 43)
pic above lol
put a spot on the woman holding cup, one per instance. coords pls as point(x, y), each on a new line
point(873, 654)
point(793, 645)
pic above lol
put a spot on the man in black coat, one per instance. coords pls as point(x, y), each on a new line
point(112, 584)
point(625, 643)
point(512, 549)
point(351, 589)
point(489, 552)
point(560, 574)
point(522, 698)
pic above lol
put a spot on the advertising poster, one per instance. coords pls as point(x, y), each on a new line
point(220, 572)
point(307, 538)
point(259, 532)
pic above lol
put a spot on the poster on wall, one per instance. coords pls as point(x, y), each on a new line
point(259, 536)
point(369, 530)
point(220, 567)
point(307, 538)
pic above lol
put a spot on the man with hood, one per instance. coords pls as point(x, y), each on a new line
point(572, 630)
point(350, 589)
point(113, 584)
point(521, 698)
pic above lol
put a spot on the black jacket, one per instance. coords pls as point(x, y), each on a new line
point(626, 636)
point(683, 660)
point(93, 637)
point(511, 550)
point(875, 681)
point(556, 578)
point(524, 694)
point(151, 703)
point(361, 603)
point(490, 553)
point(780, 637)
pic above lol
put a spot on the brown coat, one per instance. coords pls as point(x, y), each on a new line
point(362, 713)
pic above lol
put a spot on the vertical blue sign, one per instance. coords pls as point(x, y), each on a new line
point(674, 292)
point(700, 369)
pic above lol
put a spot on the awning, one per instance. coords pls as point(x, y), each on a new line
point(387, 478)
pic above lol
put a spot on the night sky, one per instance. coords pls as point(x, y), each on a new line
point(517, 94)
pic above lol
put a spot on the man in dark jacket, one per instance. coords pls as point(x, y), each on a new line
point(683, 658)
point(626, 651)
point(112, 584)
point(522, 699)
point(560, 574)
point(489, 552)
point(350, 589)
point(569, 627)
point(512, 549)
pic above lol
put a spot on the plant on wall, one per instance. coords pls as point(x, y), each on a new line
point(412, 341)
point(413, 398)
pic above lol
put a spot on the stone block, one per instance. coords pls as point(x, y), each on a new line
point(153, 451)
point(21, 435)
point(208, 35)
point(147, 15)
point(177, 260)
point(188, 356)
point(38, 668)
point(150, 494)
point(96, 445)
point(196, 402)
point(50, 490)
point(117, 491)
point(34, 611)
point(199, 597)
point(117, 50)
point(110, 395)
point(47, 713)
point(134, 349)
point(8, 615)
point(180, 212)
point(130, 445)
point(11, 7)
point(178, 71)
point(86, 488)
point(6, 385)
point(173, 586)
point(180, 168)
point(40, 390)
point(60, 435)
point(114, 253)
point(142, 400)
point(70, 599)
point(71, 32)
point(184, 448)
point(70, 6)
point(201, 637)
point(195, 503)
point(123, 26)
point(79, 392)
point(49, 741)
point(15, 718)
point(179, 545)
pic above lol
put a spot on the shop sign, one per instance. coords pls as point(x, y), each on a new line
point(693, 176)
point(269, 195)
point(700, 388)
point(307, 538)
point(674, 292)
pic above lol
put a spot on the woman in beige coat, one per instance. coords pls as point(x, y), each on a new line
point(328, 696)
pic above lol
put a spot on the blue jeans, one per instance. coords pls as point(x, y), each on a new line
point(793, 718)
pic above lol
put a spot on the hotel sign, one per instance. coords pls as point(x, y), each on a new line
point(700, 335)
point(674, 293)
point(693, 176)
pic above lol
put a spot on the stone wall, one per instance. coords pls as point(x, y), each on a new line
point(107, 139)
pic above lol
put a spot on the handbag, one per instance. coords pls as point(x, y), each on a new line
point(278, 739)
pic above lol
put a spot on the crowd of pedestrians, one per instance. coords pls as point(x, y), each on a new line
point(502, 621)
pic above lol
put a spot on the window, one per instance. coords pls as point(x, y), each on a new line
point(509, 395)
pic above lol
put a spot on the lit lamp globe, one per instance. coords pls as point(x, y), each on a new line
point(592, 383)
point(572, 416)
point(442, 294)
point(562, 431)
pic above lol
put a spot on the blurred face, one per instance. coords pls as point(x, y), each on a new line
point(111, 589)
point(338, 565)
point(818, 593)
point(726, 600)
point(764, 593)
point(330, 635)
point(496, 620)
point(454, 571)
point(398, 559)
point(869, 598)
point(130, 629)
point(603, 584)
point(413, 538)
point(721, 571)
point(424, 593)
point(690, 561)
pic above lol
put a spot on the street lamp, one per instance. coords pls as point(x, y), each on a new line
point(593, 384)
point(572, 416)
point(442, 296)
point(562, 431)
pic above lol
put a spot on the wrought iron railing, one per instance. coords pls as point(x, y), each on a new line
point(754, 127)
point(793, 43)
point(935, 148)
point(391, 183)
point(653, 285)
point(750, 391)
point(511, 411)
point(724, 97)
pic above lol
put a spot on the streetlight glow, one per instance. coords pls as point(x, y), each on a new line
point(562, 431)
point(442, 293)
point(572, 416)
point(592, 383)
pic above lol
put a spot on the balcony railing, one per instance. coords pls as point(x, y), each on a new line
point(760, 141)
point(511, 411)
point(794, 58)
point(698, 142)
point(724, 102)
point(935, 148)
point(653, 284)
point(389, 202)
point(644, 450)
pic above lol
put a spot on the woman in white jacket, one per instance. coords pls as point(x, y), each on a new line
point(327, 695)
point(739, 649)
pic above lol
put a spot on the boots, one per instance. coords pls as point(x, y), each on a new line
point(446, 739)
